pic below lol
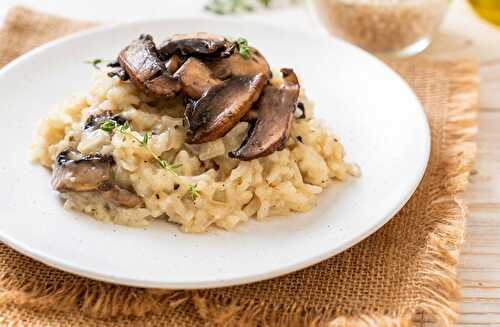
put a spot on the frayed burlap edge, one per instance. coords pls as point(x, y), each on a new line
point(94, 299)
point(439, 269)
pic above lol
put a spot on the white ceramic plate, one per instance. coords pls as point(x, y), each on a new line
point(375, 114)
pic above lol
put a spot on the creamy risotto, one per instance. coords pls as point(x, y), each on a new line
point(154, 173)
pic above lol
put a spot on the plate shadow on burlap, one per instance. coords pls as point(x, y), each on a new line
point(408, 266)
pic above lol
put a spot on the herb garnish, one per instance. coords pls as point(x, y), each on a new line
point(112, 126)
point(108, 125)
point(224, 7)
point(193, 191)
point(95, 63)
point(241, 45)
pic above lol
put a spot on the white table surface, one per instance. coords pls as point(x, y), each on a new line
point(461, 34)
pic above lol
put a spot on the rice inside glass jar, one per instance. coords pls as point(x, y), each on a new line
point(404, 27)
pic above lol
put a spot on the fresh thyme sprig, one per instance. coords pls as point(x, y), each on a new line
point(224, 7)
point(242, 46)
point(110, 125)
point(95, 62)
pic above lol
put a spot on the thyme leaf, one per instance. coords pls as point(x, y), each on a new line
point(145, 140)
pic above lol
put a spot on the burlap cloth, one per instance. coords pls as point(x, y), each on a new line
point(408, 266)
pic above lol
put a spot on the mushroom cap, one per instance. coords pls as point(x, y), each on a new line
point(172, 64)
point(222, 107)
point(199, 43)
point(164, 86)
point(274, 119)
point(76, 172)
point(236, 65)
point(141, 62)
point(196, 78)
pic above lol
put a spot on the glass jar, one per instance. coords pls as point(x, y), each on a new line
point(400, 27)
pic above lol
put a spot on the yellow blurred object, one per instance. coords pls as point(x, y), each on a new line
point(487, 9)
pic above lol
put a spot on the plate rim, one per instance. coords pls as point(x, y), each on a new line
point(49, 260)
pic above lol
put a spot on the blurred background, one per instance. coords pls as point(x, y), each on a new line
point(382, 26)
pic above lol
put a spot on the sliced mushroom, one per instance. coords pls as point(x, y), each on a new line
point(194, 44)
point(119, 196)
point(173, 64)
point(275, 113)
point(236, 65)
point(142, 64)
point(140, 60)
point(290, 81)
point(164, 86)
point(76, 172)
point(222, 107)
point(195, 78)
point(94, 121)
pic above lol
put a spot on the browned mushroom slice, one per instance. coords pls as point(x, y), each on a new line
point(173, 64)
point(76, 172)
point(140, 61)
point(236, 65)
point(194, 44)
point(120, 196)
point(275, 113)
point(222, 107)
point(195, 78)
point(163, 86)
